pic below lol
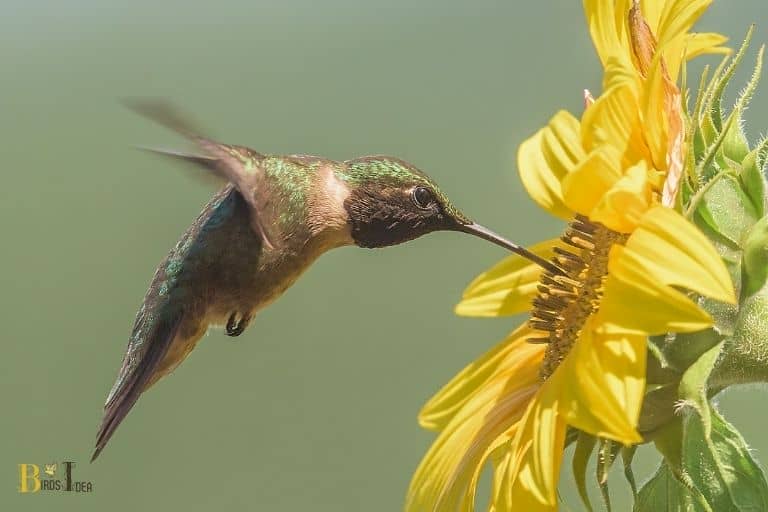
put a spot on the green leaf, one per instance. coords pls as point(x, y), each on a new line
point(707, 467)
point(722, 466)
point(663, 493)
point(585, 443)
point(669, 441)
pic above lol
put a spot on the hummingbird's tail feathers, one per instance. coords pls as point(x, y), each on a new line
point(137, 370)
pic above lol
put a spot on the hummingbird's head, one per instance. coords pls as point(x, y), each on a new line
point(391, 201)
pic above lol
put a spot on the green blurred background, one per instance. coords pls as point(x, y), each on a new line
point(314, 407)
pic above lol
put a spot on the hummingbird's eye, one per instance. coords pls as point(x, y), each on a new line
point(423, 197)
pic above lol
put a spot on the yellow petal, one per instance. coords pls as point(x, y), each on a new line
point(635, 302)
point(585, 186)
point(703, 43)
point(673, 251)
point(651, 10)
point(495, 453)
point(546, 158)
point(537, 452)
point(678, 17)
point(607, 26)
point(689, 46)
point(673, 32)
point(512, 354)
point(502, 462)
point(614, 120)
point(622, 207)
point(506, 288)
point(619, 70)
point(603, 381)
point(445, 475)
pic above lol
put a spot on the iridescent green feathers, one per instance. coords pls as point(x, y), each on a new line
point(394, 172)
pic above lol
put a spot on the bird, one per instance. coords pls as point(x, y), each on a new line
point(271, 220)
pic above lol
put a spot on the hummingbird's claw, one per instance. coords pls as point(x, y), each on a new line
point(236, 327)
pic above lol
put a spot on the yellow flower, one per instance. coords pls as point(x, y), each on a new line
point(624, 262)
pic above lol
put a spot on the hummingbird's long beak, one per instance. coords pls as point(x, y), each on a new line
point(487, 234)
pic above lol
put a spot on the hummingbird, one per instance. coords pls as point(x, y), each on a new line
point(274, 217)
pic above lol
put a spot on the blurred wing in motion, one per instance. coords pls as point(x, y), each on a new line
point(238, 165)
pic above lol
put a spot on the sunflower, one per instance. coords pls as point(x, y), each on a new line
point(628, 266)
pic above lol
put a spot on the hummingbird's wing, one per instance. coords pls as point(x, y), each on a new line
point(205, 265)
point(239, 165)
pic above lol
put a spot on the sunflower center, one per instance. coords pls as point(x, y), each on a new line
point(565, 302)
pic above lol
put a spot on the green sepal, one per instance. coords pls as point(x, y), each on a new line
point(709, 136)
point(727, 209)
point(755, 258)
point(735, 147)
point(693, 386)
point(585, 443)
point(752, 180)
point(674, 358)
point(723, 78)
point(606, 455)
point(688, 348)
point(710, 165)
point(627, 456)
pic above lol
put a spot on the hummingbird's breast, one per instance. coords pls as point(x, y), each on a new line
point(307, 214)
point(222, 267)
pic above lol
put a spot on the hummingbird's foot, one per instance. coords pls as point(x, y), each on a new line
point(236, 327)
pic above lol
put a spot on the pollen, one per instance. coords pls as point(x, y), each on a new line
point(565, 301)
